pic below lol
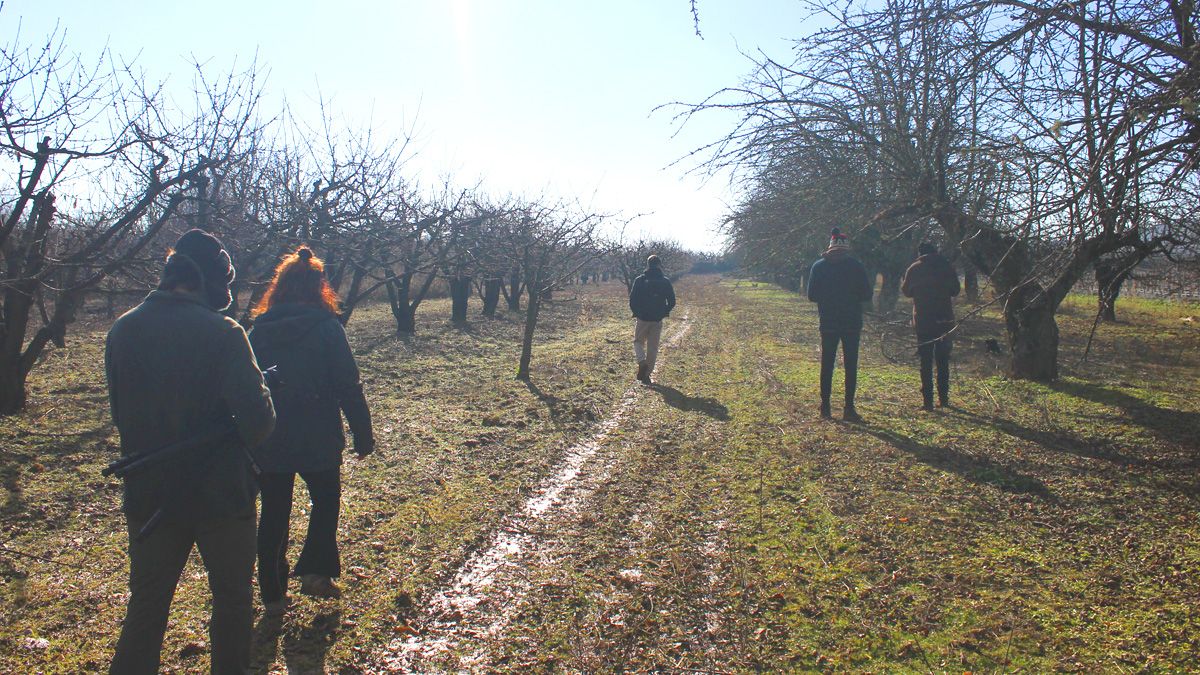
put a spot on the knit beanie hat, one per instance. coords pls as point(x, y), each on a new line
point(198, 259)
point(837, 241)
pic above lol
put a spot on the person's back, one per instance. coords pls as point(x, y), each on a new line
point(839, 285)
point(651, 299)
point(931, 282)
point(172, 375)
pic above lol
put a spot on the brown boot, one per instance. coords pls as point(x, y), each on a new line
point(642, 374)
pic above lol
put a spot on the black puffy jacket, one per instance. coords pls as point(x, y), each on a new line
point(839, 285)
point(315, 381)
point(652, 298)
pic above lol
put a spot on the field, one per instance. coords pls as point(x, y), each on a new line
point(710, 523)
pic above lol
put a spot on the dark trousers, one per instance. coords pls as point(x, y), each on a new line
point(320, 552)
point(227, 550)
point(829, 344)
point(933, 349)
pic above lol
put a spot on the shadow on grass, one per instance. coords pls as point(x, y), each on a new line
point(305, 648)
point(1055, 441)
point(681, 401)
point(974, 468)
point(1175, 426)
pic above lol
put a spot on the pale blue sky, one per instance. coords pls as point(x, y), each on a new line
point(527, 96)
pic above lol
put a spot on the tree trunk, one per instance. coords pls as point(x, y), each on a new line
point(514, 292)
point(13, 376)
point(1032, 334)
point(460, 294)
point(970, 280)
point(889, 292)
point(403, 311)
point(1109, 279)
point(531, 315)
point(491, 296)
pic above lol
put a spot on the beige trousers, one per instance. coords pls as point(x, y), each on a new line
point(646, 335)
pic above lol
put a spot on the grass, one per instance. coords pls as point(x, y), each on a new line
point(726, 527)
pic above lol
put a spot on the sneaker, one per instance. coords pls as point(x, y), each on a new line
point(849, 414)
point(319, 586)
point(826, 412)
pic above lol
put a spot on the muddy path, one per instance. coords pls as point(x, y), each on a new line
point(480, 619)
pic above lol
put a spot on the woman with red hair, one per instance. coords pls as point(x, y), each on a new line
point(297, 332)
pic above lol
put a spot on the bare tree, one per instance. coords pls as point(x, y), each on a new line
point(100, 163)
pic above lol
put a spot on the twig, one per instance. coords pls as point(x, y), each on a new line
point(6, 549)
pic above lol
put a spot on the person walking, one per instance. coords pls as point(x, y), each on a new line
point(315, 380)
point(931, 281)
point(651, 300)
point(838, 283)
point(178, 369)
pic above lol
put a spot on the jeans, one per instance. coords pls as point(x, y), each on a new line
point(320, 553)
point(155, 564)
point(935, 349)
point(829, 345)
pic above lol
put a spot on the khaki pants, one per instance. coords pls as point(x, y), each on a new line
point(646, 335)
point(227, 549)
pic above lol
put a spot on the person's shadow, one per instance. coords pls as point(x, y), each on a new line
point(681, 401)
point(304, 648)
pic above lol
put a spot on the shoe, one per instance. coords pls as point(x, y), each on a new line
point(319, 586)
point(849, 414)
point(641, 374)
point(276, 608)
point(928, 405)
point(826, 412)
point(943, 401)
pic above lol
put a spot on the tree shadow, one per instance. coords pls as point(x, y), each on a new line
point(1174, 426)
point(1050, 440)
point(681, 401)
point(974, 468)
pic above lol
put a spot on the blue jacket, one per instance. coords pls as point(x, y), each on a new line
point(839, 285)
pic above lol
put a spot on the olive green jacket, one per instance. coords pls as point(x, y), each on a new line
point(177, 369)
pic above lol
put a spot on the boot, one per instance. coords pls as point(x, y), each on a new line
point(826, 412)
point(641, 374)
point(319, 586)
point(928, 405)
point(849, 414)
point(943, 399)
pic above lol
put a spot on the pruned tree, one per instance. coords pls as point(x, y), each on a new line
point(98, 162)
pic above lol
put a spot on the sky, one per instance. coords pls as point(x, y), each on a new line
point(532, 97)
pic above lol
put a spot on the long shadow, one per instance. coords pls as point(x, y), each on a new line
point(974, 468)
point(681, 401)
point(1175, 426)
point(265, 647)
point(1053, 441)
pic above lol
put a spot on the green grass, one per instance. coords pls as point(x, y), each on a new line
point(1030, 528)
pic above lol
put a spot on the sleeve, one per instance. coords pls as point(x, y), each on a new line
point(634, 296)
point(906, 285)
point(110, 374)
point(953, 285)
point(670, 296)
point(244, 390)
point(347, 387)
point(814, 283)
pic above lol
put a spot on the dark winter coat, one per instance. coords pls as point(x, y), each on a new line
point(315, 381)
point(838, 283)
point(931, 281)
point(177, 369)
point(652, 298)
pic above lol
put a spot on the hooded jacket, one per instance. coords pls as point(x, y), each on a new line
point(176, 369)
point(838, 283)
point(652, 297)
point(931, 281)
point(315, 381)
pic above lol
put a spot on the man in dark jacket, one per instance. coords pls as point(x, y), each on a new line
point(931, 282)
point(838, 283)
point(651, 299)
point(176, 369)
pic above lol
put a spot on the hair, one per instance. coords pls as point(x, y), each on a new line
point(199, 262)
point(653, 261)
point(300, 278)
